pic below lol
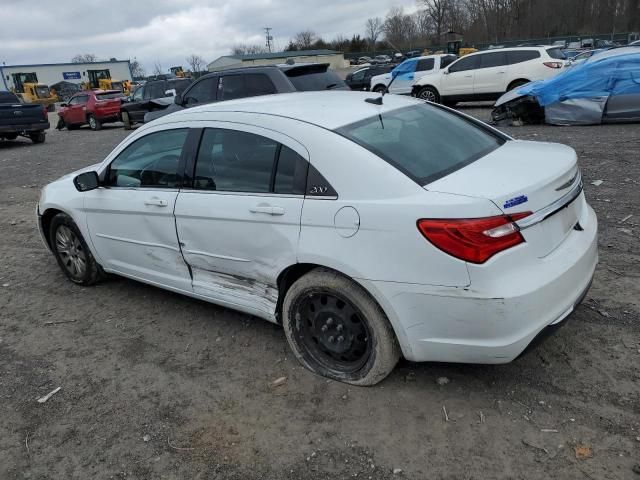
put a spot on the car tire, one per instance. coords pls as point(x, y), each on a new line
point(38, 137)
point(517, 84)
point(379, 89)
point(126, 120)
point(10, 136)
point(71, 252)
point(337, 330)
point(429, 94)
point(94, 123)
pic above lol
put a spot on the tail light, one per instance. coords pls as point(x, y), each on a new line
point(553, 64)
point(45, 112)
point(473, 240)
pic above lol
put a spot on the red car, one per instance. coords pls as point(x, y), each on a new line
point(94, 107)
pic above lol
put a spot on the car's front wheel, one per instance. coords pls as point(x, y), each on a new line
point(71, 251)
point(337, 330)
point(94, 123)
point(429, 93)
point(379, 89)
point(126, 120)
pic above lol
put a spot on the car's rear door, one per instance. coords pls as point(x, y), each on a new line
point(491, 76)
point(239, 223)
point(130, 218)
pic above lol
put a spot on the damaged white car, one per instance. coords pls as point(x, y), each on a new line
point(370, 228)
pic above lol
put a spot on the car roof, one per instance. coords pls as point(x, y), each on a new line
point(331, 109)
point(507, 49)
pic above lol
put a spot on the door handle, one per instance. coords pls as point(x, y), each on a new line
point(268, 209)
point(468, 76)
point(156, 202)
point(502, 72)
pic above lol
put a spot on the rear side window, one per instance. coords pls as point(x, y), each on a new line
point(465, 63)
point(519, 56)
point(422, 141)
point(425, 64)
point(108, 96)
point(234, 161)
point(493, 59)
point(258, 84)
point(556, 53)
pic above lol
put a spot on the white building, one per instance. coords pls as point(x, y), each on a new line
point(334, 59)
point(52, 73)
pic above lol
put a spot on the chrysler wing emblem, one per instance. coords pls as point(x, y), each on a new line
point(568, 183)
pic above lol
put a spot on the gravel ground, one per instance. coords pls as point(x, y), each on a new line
point(160, 386)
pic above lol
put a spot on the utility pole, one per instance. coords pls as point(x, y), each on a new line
point(269, 38)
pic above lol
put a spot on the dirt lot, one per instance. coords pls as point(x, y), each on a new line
point(159, 386)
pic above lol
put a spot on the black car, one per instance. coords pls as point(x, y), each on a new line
point(361, 79)
point(254, 81)
point(149, 97)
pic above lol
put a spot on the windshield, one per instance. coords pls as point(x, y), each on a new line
point(312, 80)
point(424, 142)
point(43, 91)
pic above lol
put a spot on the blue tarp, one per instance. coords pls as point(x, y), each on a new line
point(596, 77)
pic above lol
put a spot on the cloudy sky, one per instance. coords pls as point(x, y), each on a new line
point(167, 31)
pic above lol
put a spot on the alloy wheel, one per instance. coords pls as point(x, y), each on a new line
point(71, 252)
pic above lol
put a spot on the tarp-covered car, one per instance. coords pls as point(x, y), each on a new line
point(603, 89)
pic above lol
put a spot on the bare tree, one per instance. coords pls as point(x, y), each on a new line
point(438, 11)
point(157, 68)
point(305, 39)
point(244, 49)
point(85, 58)
point(137, 70)
point(373, 30)
point(196, 62)
point(399, 29)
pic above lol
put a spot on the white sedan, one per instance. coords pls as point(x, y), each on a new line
point(368, 231)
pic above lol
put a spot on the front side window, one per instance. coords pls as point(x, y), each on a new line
point(493, 59)
point(425, 64)
point(137, 95)
point(203, 91)
point(465, 63)
point(149, 162)
point(358, 76)
point(230, 87)
point(234, 161)
point(423, 141)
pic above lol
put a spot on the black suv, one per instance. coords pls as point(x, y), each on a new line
point(254, 81)
point(151, 96)
point(361, 79)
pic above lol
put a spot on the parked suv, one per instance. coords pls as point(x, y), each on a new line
point(151, 96)
point(487, 75)
point(254, 81)
point(94, 107)
point(361, 79)
point(410, 71)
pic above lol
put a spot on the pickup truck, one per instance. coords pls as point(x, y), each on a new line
point(22, 119)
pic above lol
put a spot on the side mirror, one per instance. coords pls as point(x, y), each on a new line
point(445, 72)
point(86, 181)
point(177, 99)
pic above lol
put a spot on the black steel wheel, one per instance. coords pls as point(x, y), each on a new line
point(337, 330)
point(71, 251)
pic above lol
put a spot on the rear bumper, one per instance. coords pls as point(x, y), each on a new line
point(472, 325)
point(30, 127)
point(107, 114)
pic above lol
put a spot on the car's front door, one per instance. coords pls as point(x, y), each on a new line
point(76, 110)
point(138, 105)
point(459, 77)
point(491, 76)
point(130, 217)
point(239, 224)
point(403, 77)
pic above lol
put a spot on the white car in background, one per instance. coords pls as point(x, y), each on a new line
point(369, 231)
point(410, 71)
point(488, 74)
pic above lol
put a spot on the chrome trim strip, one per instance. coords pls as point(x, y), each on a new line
point(213, 255)
point(137, 242)
point(554, 207)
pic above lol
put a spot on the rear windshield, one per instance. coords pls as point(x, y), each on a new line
point(108, 96)
point(312, 80)
point(423, 141)
point(556, 53)
point(8, 97)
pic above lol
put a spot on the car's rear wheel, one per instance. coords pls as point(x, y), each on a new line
point(428, 93)
point(71, 251)
point(94, 123)
point(37, 137)
point(517, 84)
point(126, 120)
point(337, 330)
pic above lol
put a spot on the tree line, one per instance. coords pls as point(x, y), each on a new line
point(478, 21)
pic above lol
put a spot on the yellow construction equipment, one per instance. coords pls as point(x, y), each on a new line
point(38, 93)
point(177, 71)
point(101, 79)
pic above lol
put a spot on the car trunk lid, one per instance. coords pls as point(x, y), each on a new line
point(521, 176)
